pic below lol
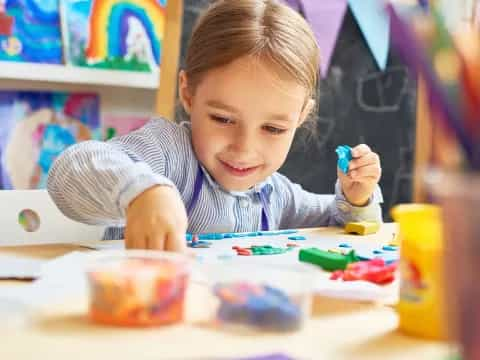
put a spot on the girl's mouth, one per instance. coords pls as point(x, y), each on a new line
point(239, 171)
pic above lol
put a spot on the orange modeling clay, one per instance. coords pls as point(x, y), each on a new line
point(138, 292)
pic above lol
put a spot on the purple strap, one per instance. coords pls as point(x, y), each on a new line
point(265, 226)
point(264, 201)
point(197, 187)
point(196, 190)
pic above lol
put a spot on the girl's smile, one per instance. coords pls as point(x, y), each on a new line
point(240, 171)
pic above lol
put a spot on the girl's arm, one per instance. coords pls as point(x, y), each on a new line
point(302, 208)
point(93, 182)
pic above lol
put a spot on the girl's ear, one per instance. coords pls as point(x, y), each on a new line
point(307, 109)
point(184, 91)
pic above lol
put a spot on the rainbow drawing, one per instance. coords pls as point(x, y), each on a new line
point(114, 34)
point(34, 34)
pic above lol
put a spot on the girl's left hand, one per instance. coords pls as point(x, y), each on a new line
point(364, 172)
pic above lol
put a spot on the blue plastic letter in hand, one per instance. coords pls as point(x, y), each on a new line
point(344, 153)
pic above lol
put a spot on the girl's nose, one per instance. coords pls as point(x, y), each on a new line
point(243, 141)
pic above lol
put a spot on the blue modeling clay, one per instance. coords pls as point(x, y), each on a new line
point(259, 306)
point(344, 153)
point(221, 236)
point(297, 238)
point(199, 244)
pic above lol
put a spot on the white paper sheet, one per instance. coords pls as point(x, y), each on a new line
point(17, 267)
point(61, 280)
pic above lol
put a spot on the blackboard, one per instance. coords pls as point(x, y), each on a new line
point(357, 103)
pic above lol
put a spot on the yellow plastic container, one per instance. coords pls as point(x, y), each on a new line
point(421, 304)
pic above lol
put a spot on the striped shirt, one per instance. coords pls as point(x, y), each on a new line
point(93, 182)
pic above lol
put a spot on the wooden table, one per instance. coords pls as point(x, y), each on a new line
point(337, 330)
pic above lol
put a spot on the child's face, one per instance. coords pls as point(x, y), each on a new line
point(243, 119)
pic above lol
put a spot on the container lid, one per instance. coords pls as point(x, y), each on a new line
point(420, 225)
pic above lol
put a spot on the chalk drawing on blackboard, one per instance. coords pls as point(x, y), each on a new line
point(335, 78)
point(383, 92)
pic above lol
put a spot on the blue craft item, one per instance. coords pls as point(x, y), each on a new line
point(221, 236)
point(296, 238)
point(199, 244)
point(388, 260)
point(213, 236)
point(345, 245)
point(278, 232)
point(388, 256)
point(266, 308)
point(239, 235)
point(389, 248)
point(344, 153)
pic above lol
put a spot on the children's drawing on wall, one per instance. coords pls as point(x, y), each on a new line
point(114, 34)
point(30, 31)
point(36, 127)
point(117, 125)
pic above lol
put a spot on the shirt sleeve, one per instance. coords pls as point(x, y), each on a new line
point(301, 208)
point(93, 182)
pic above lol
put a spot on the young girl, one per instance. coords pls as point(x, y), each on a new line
point(249, 83)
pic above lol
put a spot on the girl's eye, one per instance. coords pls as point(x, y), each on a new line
point(221, 119)
point(274, 130)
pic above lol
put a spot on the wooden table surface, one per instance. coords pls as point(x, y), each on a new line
point(336, 330)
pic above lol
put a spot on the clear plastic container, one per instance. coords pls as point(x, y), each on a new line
point(265, 297)
point(137, 287)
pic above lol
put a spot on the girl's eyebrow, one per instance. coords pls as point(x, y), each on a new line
point(279, 117)
point(220, 105)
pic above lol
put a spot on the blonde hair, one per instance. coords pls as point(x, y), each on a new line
point(265, 29)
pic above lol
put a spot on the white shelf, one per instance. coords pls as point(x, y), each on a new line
point(77, 75)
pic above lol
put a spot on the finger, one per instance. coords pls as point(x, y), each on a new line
point(360, 150)
point(156, 240)
point(176, 242)
point(341, 175)
point(368, 171)
point(370, 158)
point(134, 240)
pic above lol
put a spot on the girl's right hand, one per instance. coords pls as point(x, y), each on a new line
point(156, 219)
